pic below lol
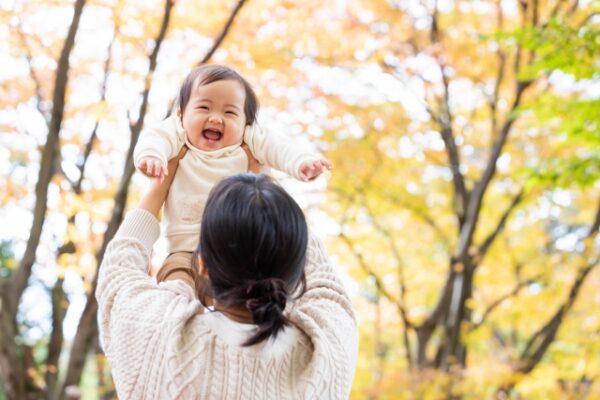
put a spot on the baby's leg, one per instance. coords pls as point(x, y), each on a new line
point(179, 266)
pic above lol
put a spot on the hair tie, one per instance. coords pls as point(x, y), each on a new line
point(266, 297)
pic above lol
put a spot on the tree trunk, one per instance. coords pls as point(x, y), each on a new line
point(13, 375)
point(59, 310)
point(11, 367)
point(85, 336)
point(82, 342)
point(87, 328)
point(18, 282)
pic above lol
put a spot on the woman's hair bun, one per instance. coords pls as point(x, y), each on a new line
point(266, 299)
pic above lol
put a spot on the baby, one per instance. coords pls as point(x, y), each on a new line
point(216, 114)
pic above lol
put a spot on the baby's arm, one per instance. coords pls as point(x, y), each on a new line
point(157, 145)
point(284, 154)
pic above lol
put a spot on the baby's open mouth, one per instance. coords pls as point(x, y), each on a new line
point(212, 135)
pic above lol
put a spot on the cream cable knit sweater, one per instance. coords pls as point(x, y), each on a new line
point(200, 170)
point(160, 344)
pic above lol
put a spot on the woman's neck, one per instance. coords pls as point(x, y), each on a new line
point(235, 314)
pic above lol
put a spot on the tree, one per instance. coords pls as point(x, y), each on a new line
point(13, 371)
point(21, 379)
point(433, 186)
point(464, 195)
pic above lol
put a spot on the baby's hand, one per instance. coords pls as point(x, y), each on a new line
point(309, 170)
point(152, 167)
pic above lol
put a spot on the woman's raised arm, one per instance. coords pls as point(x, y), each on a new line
point(324, 313)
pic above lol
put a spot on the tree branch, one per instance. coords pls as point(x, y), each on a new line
point(380, 353)
point(18, 282)
point(381, 290)
point(553, 13)
point(216, 44)
point(434, 35)
point(390, 239)
point(39, 93)
point(12, 372)
point(523, 10)
point(493, 102)
point(424, 216)
point(445, 122)
point(378, 283)
point(587, 19)
point(540, 341)
point(87, 324)
point(136, 127)
point(595, 228)
point(399, 303)
point(223, 34)
point(82, 339)
point(91, 141)
point(12, 291)
point(400, 268)
point(60, 303)
point(476, 197)
point(487, 243)
point(500, 300)
point(573, 7)
point(535, 14)
point(418, 212)
point(422, 102)
point(443, 302)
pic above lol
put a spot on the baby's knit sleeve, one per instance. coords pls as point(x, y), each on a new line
point(324, 313)
point(276, 150)
point(163, 141)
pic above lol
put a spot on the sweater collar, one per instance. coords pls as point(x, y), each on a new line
point(235, 333)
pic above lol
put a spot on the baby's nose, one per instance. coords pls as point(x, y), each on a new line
point(215, 119)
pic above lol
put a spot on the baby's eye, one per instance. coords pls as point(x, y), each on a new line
point(203, 107)
point(231, 113)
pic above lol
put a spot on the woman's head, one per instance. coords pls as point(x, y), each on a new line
point(215, 105)
point(253, 246)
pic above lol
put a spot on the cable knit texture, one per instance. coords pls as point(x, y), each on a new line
point(162, 345)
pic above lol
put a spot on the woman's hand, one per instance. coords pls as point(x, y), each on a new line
point(154, 198)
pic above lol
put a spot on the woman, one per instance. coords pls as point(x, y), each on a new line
point(259, 341)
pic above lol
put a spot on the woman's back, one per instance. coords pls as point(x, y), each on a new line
point(160, 345)
point(256, 253)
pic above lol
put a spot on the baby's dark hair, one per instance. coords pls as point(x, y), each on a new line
point(212, 73)
point(253, 245)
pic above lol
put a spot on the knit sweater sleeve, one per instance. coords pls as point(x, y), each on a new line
point(277, 151)
point(133, 311)
point(324, 312)
point(162, 141)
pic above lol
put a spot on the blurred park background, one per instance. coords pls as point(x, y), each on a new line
point(463, 209)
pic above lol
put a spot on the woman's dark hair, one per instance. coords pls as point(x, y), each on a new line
point(212, 73)
point(253, 243)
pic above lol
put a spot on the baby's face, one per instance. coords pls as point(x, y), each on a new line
point(214, 116)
